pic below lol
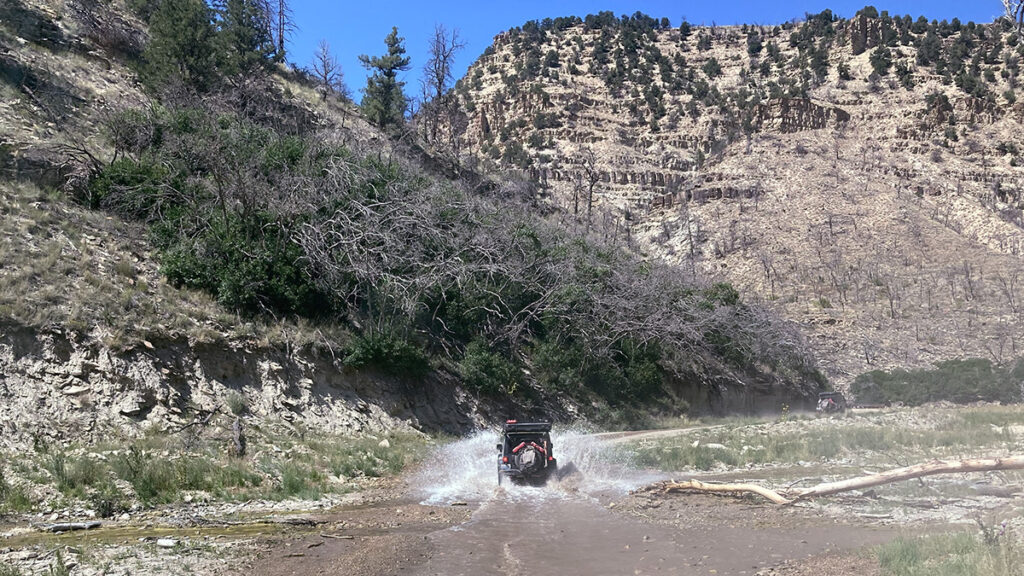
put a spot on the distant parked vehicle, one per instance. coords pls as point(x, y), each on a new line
point(831, 403)
point(526, 454)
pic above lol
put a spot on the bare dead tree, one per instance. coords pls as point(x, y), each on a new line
point(577, 190)
point(280, 22)
point(438, 75)
point(328, 71)
point(591, 175)
point(1008, 286)
point(284, 26)
point(1015, 13)
point(361, 247)
point(438, 70)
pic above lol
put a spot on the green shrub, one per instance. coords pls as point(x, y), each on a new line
point(559, 366)
point(487, 371)
point(249, 265)
point(74, 476)
point(130, 188)
point(108, 501)
point(159, 480)
point(299, 481)
point(388, 353)
point(515, 154)
point(8, 570)
point(881, 60)
point(12, 499)
point(712, 68)
point(153, 480)
point(237, 403)
point(959, 381)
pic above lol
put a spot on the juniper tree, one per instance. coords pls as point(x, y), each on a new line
point(383, 98)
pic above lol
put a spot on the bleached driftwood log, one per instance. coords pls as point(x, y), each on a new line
point(828, 488)
point(698, 486)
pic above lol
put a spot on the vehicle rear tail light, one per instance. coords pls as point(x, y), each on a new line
point(504, 459)
point(551, 458)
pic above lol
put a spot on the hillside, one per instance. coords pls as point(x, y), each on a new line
point(190, 225)
point(860, 176)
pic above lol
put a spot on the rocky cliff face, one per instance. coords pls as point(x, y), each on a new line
point(880, 209)
point(56, 383)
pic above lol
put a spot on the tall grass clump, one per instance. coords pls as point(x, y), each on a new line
point(961, 554)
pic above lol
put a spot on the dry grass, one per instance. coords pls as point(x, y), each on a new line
point(960, 554)
point(66, 267)
point(160, 469)
point(884, 439)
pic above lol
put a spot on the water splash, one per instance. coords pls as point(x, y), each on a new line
point(466, 471)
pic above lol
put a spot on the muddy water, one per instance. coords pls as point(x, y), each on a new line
point(566, 528)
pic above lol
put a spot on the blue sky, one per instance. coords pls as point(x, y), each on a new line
point(354, 28)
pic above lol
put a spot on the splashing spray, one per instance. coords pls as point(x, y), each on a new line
point(466, 471)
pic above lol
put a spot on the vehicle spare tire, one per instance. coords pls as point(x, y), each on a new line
point(529, 459)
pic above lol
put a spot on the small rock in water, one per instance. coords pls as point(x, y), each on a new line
point(166, 543)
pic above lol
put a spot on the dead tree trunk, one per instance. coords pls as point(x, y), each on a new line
point(238, 438)
point(910, 472)
point(828, 488)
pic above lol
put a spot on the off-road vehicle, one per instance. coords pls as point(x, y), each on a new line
point(525, 454)
point(831, 403)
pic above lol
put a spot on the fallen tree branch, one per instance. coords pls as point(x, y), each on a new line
point(698, 486)
point(68, 526)
point(932, 468)
point(910, 472)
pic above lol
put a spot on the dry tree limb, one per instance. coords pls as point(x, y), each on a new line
point(910, 472)
point(698, 486)
point(932, 468)
point(61, 527)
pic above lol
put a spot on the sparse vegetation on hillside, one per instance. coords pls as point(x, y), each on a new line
point(246, 198)
point(421, 261)
point(774, 155)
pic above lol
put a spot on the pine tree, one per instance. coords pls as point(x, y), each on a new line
point(383, 99)
point(245, 36)
point(181, 45)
